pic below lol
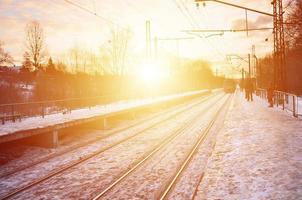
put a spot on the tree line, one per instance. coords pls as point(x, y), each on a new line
point(83, 73)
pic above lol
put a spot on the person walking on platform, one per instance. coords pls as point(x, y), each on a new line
point(249, 89)
point(245, 88)
point(270, 95)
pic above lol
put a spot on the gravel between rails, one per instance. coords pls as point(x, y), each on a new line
point(107, 164)
point(147, 180)
point(190, 178)
point(35, 155)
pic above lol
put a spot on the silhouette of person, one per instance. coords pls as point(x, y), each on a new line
point(270, 95)
point(249, 89)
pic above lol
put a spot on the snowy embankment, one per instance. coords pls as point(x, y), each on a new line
point(24, 177)
point(258, 155)
point(149, 180)
point(85, 113)
point(96, 174)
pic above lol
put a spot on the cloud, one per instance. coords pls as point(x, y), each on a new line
point(260, 22)
point(60, 21)
point(263, 20)
point(64, 24)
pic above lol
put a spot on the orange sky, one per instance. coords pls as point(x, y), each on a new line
point(66, 25)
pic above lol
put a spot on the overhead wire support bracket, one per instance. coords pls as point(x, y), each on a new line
point(237, 6)
point(235, 56)
point(226, 30)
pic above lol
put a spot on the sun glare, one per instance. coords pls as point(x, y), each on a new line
point(151, 74)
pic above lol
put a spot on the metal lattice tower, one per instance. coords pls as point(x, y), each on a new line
point(279, 47)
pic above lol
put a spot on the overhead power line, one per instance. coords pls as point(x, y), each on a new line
point(194, 24)
point(182, 11)
point(237, 6)
point(93, 13)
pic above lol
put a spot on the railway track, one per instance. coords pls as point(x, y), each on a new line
point(189, 157)
point(89, 142)
point(159, 147)
point(83, 159)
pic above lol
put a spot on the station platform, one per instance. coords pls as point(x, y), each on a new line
point(49, 125)
point(257, 155)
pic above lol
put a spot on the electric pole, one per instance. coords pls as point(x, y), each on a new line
point(279, 47)
point(279, 43)
point(155, 48)
point(254, 60)
point(148, 41)
point(249, 61)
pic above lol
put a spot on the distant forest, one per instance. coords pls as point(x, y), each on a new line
point(81, 73)
point(51, 83)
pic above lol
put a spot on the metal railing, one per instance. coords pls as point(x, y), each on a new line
point(284, 100)
point(13, 111)
point(261, 93)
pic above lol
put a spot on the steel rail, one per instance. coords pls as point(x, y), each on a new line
point(94, 140)
point(94, 154)
point(202, 174)
point(192, 152)
point(176, 133)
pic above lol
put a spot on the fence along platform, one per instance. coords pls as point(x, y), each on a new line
point(284, 100)
point(48, 126)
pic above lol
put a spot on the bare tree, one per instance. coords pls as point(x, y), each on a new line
point(78, 57)
point(75, 58)
point(5, 58)
point(119, 49)
point(294, 25)
point(35, 43)
point(26, 64)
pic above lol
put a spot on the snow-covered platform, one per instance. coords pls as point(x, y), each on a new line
point(258, 155)
point(54, 122)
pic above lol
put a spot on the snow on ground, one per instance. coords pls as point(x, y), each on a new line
point(148, 180)
point(59, 118)
point(258, 155)
point(299, 112)
point(26, 176)
point(189, 180)
point(31, 154)
point(97, 173)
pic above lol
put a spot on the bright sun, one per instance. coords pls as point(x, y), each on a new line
point(151, 74)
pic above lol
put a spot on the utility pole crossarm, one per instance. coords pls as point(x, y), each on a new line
point(229, 30)
point(237, 6)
